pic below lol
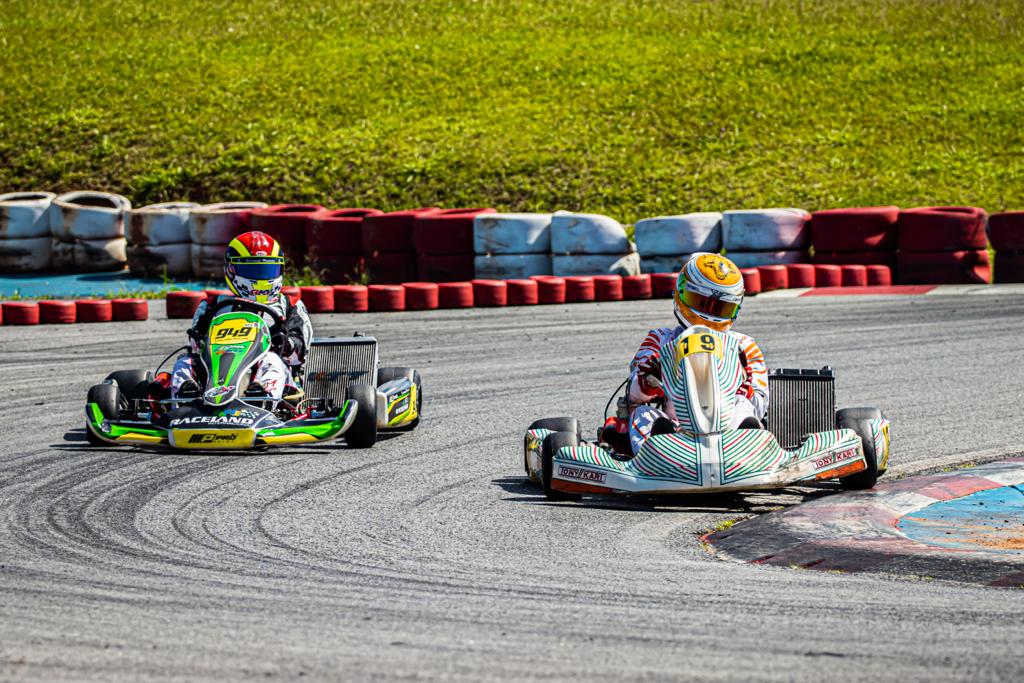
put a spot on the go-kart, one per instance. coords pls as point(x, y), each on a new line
point(806, 438)
point(342, 393)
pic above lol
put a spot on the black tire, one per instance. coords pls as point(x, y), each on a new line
point(550, 445)
point(857, 420)
point(134, 384)
point(388, 374)
point(558, 424)
point(109, 400)
point(363, 432)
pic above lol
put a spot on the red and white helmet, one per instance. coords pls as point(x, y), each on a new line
point(254, 267)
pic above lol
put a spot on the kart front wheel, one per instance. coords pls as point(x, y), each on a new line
point(857, 420)
point(550, 445)
point(363, 432)
point(134, 384)
point(107, 398)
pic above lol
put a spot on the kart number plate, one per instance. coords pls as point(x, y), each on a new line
point(699, 343)
point(233, 332)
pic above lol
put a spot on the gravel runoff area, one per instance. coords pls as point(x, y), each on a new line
point(429, 556)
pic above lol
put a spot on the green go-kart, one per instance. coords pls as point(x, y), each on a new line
point(343, 393)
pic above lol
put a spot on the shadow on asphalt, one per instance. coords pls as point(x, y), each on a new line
point(75, 441)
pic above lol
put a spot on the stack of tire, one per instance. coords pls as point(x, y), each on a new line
point(334, 239)
point(88, 232)
point(444, 244)
point(666, 242)
point(286, 223)
point(211, 228)
point(942, 245)
point(511, 246)
point(766, 237)
point(25, 241)
point(159, 244)
point(590, 244)
point(864, 236)
point(388, 245)
point(1006, 233)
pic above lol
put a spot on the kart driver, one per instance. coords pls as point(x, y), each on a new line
point(709, 292)
point(253, 270)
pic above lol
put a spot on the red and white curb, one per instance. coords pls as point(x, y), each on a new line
point(857, 531)
point(895, 290)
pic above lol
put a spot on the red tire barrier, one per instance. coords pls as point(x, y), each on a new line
point(287, 224)
point(391, 232)
point(828, 275)
point(1006, 232)
point(318, 298)
point(57, 312)
point(579, 288)
point(869, 228)
point(943, 267)
point(550, 289)
point(636, 287)
point(351, 299)
point(608, 288)
point(522, 292)
point(942, 228)
point(751, 281)
point(446, 232)
point(20, 313)
point(94, 311)
point(854, 275)
point(421, 296)
point(663, 284)
point(335, 268)
point(773, 277)
point(128, 310)
point(183, 304)
point(1009, 266)
point(883, 258)
point(212, 294)
point(336, 231)
point(879, 276)
point(294, 294)
point(387, 297)
point(445, 267)
point(800, 275)
point(490, 293)
point(392, 267)
point(455, 294)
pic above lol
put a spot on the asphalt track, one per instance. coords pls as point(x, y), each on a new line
point(429, 557)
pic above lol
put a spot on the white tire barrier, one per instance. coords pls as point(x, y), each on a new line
point(86, 256)
point(766, 230)
point(512, 233)
point(220, 223)
point(158, 224)
point(208, 260)
point(663, 264)
point(511, 266)
point(587, 233)
point(675, 235)
point(162, 259)
point(751, 259)
point(595, 264)
point(25, 255)
point(25, 214)
point(88, 216)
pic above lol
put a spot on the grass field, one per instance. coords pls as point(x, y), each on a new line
point(630, 108)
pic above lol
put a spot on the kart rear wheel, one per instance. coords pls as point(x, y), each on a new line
point(550, 445)
point(134, 384)
point(363, 432)
point(388, 374)
point(108, 399)
point(857, 420)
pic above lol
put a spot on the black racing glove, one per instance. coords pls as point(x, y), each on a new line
point(284, 344)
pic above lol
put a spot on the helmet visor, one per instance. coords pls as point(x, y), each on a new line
point(262, 268)
point(710, 305)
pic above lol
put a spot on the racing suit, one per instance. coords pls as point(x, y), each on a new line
point(752, 397)
point(273, 372)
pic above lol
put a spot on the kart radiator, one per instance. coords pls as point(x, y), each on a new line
point(333, 362)
point(802, 402)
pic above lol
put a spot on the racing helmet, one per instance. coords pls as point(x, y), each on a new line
point(709, 291)
point(254, 267)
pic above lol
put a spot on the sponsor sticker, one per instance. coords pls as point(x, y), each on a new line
point(233, 331)
point(834, 458)
point(581, 474)
point(234, 420)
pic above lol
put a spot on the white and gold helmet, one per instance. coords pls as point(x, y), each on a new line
point(709, 291)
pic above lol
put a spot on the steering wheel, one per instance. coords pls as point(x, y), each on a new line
point(251, 306)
